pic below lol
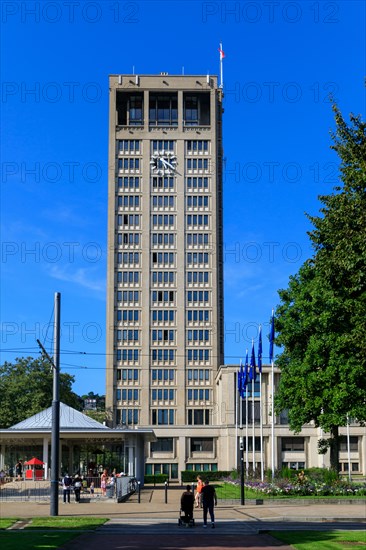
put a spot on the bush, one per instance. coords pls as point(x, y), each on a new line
point(189, 476)
point(158, 478)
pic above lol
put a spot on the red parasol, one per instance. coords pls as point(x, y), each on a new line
point(34, 462)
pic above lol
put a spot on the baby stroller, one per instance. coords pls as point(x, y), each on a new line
point(186, 509)
point(187, 521)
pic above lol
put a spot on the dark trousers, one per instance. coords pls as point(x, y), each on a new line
point(67, 495)
point(77, 493)
point(208, 507)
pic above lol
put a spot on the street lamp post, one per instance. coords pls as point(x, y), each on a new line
point(242, 488)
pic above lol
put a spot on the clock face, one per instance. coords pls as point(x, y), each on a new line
point(163, 163)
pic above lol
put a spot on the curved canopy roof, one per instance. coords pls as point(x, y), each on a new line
point(70, 419)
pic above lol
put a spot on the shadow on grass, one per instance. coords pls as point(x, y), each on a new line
point(319, 540)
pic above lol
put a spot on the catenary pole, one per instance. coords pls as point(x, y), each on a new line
point(55, 436)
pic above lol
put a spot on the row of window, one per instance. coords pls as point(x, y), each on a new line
point(133, 164)
point(198, 395)
point(128, 335)
point(160, 145)
point(132, 183)
point(128, 296)
point(128, 277)
point(127, 394)
point(131, 239)
point(167, 239)
point(162, 394)
point(128, 219)
point(131, 315)
point(164, 315)
point(161, 277)
point(166, 355)
point(163, 258)
point(128, 201)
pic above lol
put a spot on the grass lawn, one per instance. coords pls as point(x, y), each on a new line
point(6, 522)
point(52, 532)
point(322, 540)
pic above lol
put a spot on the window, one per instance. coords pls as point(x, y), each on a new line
point(128, 220)
point(163, 201)
point(197, 258)
point(197, 183)
point(163, 315)
point(132, 258)
point(198, 374)
point(128, 146)
point(129, 183)
point(166, 239)
point(164, 258)
point(162, 296)
point(129, 416)
point(163, 277)
point(130, 315)
point(162, 355)
point(128, 201)
point(163, 182)
point(165, 220)
point(163, 375)
point(163, 394)
point(128, 239)
point(128, 335)
point(197, 296)
point(163, 335)
point(198, 355)
point(197, 277)
point(197, 201)
point(197, 164)
point(198, 394)
point(127, 295)
point(200, 145)
point(293, 444)
point(131, 355)
point(196, 108)
point(130, 375)
point(198, 417)
point(129, 164)
point(353, 443)
point(128, 277)
point(129, 108)
point(198, 315)
point(197, 219)
point(198, 335)
point(202, 444)
point(129, 394)
point(162, 417)
point(163, 109)
point(161, 145)
point(162, 445)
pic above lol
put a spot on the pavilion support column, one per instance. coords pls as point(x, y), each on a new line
point(45, 457)
point(131, 457)
point(2, 457)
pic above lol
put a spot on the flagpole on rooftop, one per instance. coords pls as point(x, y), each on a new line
point(222, 55)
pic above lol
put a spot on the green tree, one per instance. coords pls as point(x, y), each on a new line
point(26, 388)
point(321, 321)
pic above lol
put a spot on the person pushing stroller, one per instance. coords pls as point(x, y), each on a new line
point(186, 505)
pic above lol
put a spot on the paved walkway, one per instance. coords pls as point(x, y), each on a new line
point(152, 523)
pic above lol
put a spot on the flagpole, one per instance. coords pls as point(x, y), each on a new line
point(236, 421)
point(348, 450)
point(221, 67)
point(273, 422)
point(246, 432)
point(261, 424)
point(271, 358)
point(253, 427)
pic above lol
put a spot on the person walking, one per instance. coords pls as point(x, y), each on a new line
point(186, 505)
point(66, 486)
point(103, 482)
point(19, 470)
point(209, 500)
point(198, 492)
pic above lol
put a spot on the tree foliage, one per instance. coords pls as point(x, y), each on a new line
point(26, 388)
point(321, 321)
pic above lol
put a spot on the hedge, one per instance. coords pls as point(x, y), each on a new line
point(158, 478)
point(191, 476)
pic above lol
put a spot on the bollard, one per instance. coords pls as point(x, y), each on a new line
point(166, 492)
point(138, 492)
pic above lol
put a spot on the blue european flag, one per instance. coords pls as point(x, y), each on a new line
point(252, 371)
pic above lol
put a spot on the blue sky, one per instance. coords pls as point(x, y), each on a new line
point(282, 60)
